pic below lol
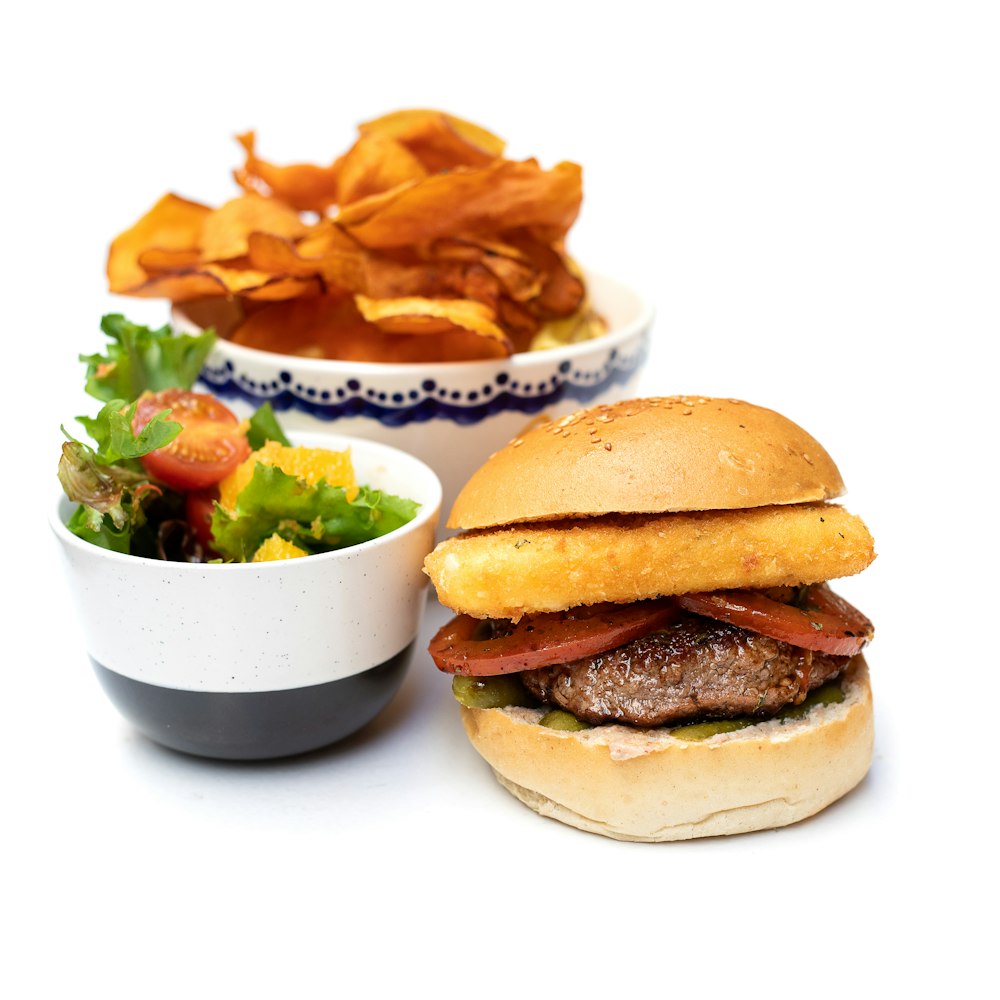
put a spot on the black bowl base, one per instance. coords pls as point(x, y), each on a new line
point(255, 725)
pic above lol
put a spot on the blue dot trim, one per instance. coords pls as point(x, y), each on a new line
point(431, 399)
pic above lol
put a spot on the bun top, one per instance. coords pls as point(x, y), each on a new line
point(642, 456)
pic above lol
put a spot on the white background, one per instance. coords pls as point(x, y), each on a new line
point(809, 192)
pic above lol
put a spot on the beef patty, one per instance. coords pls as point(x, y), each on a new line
point(696, 668)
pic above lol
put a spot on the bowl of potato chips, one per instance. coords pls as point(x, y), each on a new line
point(416, 291)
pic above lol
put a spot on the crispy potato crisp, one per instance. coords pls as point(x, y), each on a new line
point(419, 243)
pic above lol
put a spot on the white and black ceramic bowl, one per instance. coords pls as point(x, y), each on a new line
point(451, 416)
point(257, 660)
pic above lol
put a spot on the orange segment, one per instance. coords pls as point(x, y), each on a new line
point(276, 548)
point(310, 464)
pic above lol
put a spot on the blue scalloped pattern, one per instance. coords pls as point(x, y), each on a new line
point(431, 400)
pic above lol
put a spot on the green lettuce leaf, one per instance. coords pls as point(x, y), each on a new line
point(315, 518)
point(104, 533)
point(108, 482)
point(139, 358)
point(264, 427)
point(111, 429)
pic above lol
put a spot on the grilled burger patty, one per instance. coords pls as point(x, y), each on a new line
point(696, 668)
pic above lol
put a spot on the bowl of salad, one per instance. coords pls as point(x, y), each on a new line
point(242, 595)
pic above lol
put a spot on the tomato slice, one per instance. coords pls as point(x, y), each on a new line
point(211, 445)
point(472, 647)
point(827, 623)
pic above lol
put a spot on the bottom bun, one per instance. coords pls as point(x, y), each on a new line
point(645, 785)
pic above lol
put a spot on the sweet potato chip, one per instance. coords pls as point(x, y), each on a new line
point(221, 314)
point(324, 236)
point(173, 223)
point(356, 269)
point(438, 141)
point(225, 231)
point(332, 327)
point(304, 186)
point(520, 281)
point(178, 287)
point(504, 195)
point(514, 271)
point(376, 163)
point(519, 322)
point(157, 261)
point(423, 316)
point(255, 284)
point(325, 326)
point(562, 291)
point(473, 248)
point(334, 266)
point(385, 278)
point(279, 289)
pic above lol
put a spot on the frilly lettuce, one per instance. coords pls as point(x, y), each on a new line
point(107, 480)
point(315, 518)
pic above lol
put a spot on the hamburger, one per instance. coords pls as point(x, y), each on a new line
point(646, 645)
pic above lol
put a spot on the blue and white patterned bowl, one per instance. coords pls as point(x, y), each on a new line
point(451, 416)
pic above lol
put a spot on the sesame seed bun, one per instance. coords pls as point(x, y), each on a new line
point(643, 456)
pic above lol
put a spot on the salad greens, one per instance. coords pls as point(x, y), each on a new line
point(124, 508)
point(315, 518)
point(140, 360)
point(112, 430)
point(108, 482)
point(264, 427)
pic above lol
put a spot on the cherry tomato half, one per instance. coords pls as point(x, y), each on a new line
point(827, 623)
point(474, 648)
point(199, 506)
point(206, 451)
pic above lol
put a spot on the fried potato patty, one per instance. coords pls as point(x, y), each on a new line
point(509, 572)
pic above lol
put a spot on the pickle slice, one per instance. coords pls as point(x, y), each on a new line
point(698, 731)
point(503, 691)
point(565, 721)
point(828, 694)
